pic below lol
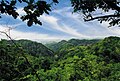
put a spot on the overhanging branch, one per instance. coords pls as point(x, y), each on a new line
point(106, 16)
point(112, 5)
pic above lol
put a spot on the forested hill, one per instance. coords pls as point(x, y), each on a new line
point(70, 43)
point(109, 49)
point(33, 48)
point(98, 61)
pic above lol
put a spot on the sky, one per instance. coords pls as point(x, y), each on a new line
point(60, 24)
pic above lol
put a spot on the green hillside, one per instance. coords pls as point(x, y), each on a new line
point(109, 49)
point(70, 43)
point(34, 48)
point(91, 61)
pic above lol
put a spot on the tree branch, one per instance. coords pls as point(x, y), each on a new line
point(112, 5)
point(106, 16)
point(26, 59)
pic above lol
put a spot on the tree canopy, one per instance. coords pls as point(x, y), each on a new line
point(87, 7)
point(35, 8)
point(98, 61)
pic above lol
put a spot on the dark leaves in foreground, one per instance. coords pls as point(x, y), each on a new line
point(33, 10)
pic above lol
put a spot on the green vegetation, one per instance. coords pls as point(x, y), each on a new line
point(70, 44)
point(76, 60)
point(34, 48)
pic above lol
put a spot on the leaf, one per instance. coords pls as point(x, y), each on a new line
point(41, 11)
point(20, 1)
point(75, 10)
point(56, 1)
point(7, 2)
point(48, 7)
point(46, 11)
point(13, 3)
point(39, 23)
point(31, 1)
point(25, 1)
point(30, 23)
point(15, 14)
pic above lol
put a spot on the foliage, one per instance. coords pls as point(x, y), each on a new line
point(70, 43)
point(107, 49)
point(34, 48)
point(33, 9)
point(93, 62)
point(88, 7)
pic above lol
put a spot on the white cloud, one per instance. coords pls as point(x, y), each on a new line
point(28, 35)
point(54, 23)
point(71, 25)
point(92, 29)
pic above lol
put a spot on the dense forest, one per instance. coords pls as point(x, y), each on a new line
point(72, 60)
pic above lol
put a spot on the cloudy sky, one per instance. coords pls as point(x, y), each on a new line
point(60, 24)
